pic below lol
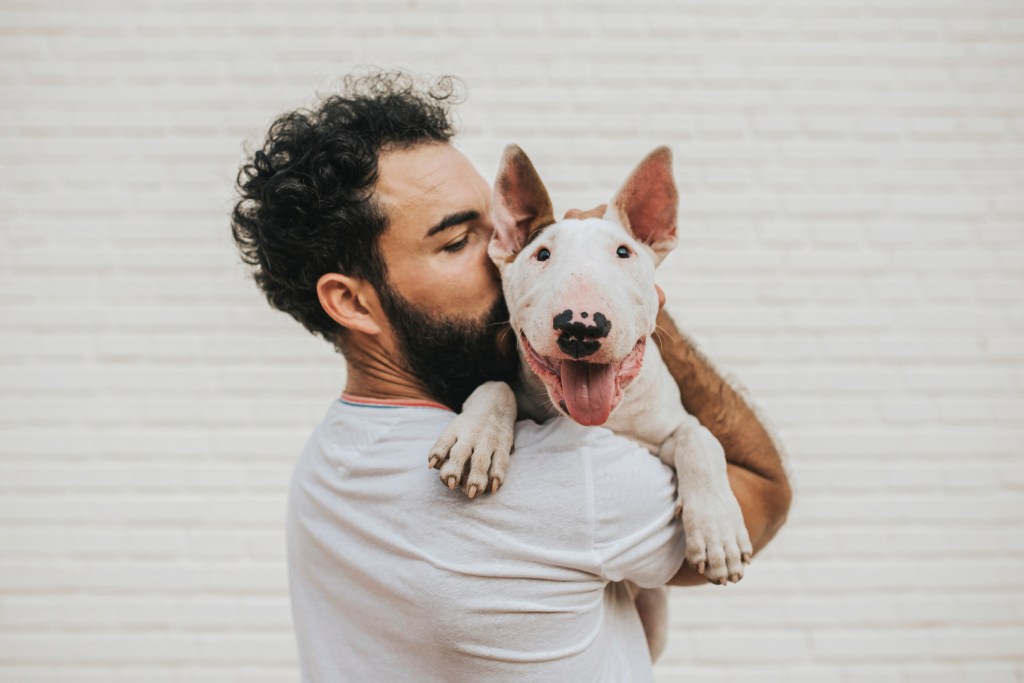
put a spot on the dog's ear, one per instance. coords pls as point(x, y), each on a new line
point(521, 205)
point(647, 204)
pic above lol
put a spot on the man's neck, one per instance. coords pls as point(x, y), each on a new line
point(373, 373)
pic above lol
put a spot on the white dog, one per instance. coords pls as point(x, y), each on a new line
point(582, 303)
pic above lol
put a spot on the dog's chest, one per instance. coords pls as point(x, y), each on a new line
point(651, 408)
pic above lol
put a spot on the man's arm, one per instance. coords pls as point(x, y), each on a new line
point(754, 465)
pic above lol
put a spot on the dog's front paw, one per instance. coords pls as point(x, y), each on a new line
point(475, 449)
point(717, 542)
point(473, 453)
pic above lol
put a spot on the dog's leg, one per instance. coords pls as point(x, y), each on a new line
point(474, 450)
point(717, 543)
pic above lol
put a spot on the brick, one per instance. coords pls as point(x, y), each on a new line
point(878, 645)
point(997, 672)
point(957, 644)
point(751, 647)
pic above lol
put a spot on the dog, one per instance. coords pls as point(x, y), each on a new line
point(583, 303)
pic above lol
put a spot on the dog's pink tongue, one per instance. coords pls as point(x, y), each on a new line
point(588, 389)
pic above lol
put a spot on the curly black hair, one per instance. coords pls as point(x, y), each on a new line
point(306, 202)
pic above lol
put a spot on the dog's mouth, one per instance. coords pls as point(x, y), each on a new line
point(587, 392)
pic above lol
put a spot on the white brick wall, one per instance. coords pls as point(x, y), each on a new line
point(853, 250)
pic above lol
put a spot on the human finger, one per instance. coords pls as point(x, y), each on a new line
point(595, 212)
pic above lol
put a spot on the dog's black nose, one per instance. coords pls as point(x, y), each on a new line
point(580, 339)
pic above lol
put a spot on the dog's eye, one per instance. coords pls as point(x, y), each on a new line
point(543, 255)
point(623, 252)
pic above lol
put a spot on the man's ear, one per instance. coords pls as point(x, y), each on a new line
point(520, 207)
point(351, 302)
point(647, 204)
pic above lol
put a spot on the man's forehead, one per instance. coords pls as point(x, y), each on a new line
point(422, 184)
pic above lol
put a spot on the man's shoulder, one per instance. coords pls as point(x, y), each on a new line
point(348, 419)
point(606, 460)
point(630, 495)
point(557, 448)
point(560, 434)
point(349, 430)
point(349, 424)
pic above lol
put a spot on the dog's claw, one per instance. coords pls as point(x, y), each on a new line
point(700, 568)
point(745, 558)
point(473, 451)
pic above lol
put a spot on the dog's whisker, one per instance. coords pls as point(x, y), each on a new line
point(544, 398)
point(503, 335)
point(659, 329)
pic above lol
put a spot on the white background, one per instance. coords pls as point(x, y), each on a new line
point(852, 250)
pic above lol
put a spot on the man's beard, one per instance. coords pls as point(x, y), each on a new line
point(451, 356)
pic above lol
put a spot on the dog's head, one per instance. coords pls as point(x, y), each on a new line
point(581, 292)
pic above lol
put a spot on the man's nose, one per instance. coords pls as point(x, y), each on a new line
point(579, 334)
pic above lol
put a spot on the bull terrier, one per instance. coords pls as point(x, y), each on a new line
point(583, 302)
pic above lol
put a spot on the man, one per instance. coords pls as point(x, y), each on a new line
point(367, 226)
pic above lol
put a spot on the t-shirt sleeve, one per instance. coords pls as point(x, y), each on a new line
point(636, 535)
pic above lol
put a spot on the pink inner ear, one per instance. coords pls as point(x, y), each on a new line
point(648, 202)
point(521, 204)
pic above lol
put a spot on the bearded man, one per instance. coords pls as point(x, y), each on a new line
point(370, 228)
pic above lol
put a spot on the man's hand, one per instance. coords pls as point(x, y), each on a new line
point(596, 212)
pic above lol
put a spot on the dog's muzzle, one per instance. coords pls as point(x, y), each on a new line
point(578, 339)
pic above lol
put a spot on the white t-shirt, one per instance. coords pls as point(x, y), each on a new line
point(394, 577)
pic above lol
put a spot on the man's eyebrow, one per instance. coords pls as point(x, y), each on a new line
point(453, 219)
